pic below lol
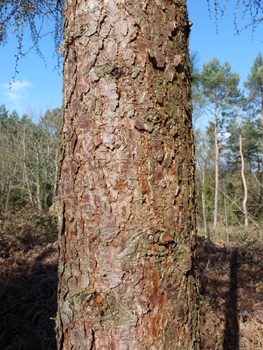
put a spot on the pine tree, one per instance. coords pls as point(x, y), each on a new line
point(219, 89)
point(254, 84)
point(127, 229)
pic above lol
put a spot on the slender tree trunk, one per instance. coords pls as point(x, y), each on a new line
point(39, 206)
point(261, 106)
point(203, 192)
point(29, 191)
point(8, 197)
point(259, 162)
point(204, 215)
point(226, 222)
point(25, 183)
point(24, 158)
point(55, 185)
point(243, 171)
point(261, 155)
point(44, 188)
point(127, 237)
point(9, 181)
point(216, 170)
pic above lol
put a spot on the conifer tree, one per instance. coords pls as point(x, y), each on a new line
point(254, 84)
point(219, 89)
point(126, 193)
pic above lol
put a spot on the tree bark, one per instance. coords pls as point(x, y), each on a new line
point(216, 170)
point(127, 277)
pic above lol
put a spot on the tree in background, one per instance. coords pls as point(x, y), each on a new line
point(254, 84)
point(249, 133)
point(9, 158)
point(29, 158)
point(202, 163)
point(51, 124)
point(3, 117)
point(236, 142)
point(242, 168)
point(219, 89)
point(194, 72)
point(251, 140)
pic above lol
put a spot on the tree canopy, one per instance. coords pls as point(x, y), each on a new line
point(254, 83)
point(219, 84)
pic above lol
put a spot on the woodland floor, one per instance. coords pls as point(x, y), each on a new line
point(231, 286)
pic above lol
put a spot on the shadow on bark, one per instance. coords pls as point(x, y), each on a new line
point(231, 333)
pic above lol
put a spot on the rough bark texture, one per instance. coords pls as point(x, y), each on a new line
point(127, 227)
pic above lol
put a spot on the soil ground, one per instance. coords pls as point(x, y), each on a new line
point(231, 286)
point(231, 292)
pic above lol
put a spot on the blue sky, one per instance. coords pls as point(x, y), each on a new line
point(239, 50)
point(40, 87)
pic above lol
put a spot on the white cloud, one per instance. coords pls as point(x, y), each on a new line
point(17, 86)
point(16, 94)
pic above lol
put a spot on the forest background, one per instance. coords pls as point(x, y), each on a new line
point(226, 118)
point(29, 101)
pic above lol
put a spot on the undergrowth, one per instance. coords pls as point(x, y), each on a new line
point(28, 280)
point(230, 269)
point(231, 291)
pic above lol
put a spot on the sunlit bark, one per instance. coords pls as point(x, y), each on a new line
point(127, 228)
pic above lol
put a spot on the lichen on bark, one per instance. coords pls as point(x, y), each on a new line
point(127, 275)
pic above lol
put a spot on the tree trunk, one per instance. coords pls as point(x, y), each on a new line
point(216, 170)
point(8, 196)
point(261, 105)
point(203, 191)
point(204, 213)
point(29, 190)
point(127, 239)
point(39, 205)
point(55, 184)
point(243, 172)
point(261, 156)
